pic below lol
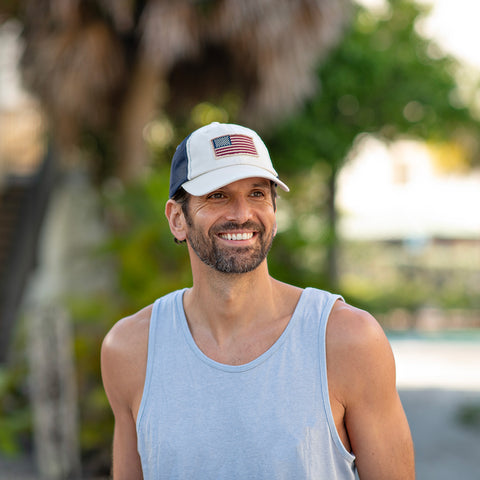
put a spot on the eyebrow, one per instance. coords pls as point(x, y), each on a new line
point(264, 183)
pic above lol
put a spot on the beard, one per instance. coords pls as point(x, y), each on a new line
point(230, 259)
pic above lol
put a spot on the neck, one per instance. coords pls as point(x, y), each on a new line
point(230, 302)
point(234, 318)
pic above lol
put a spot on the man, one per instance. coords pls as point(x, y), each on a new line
point(242, 376)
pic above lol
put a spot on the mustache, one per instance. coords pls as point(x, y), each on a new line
point(231, 226)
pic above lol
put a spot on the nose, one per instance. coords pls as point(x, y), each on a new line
point(239, 210)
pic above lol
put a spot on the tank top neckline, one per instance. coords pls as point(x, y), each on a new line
point(246, 366)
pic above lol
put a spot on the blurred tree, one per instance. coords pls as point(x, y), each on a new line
point(104, 67)
point(384, 79)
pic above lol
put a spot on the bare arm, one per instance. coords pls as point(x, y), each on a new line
point(363, 371)
point(123, 360)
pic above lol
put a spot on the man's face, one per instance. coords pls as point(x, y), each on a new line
point(232, 228)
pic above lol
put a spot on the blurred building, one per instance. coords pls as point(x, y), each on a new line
point(403, 192)
point(411, 230)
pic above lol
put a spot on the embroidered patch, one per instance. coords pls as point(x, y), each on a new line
point(233, 145)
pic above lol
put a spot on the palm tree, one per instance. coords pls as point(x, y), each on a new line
point(109, 65)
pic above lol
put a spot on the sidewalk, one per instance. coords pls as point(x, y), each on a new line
point(436, 379)
point(444, 364)
point(444, 448)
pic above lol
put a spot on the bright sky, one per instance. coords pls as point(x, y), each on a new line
point(454, 25)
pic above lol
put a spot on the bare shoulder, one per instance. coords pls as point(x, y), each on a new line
point(361, 379)
point(124, 358)
point(351, 327)
point(128, 334)
point(358, 351)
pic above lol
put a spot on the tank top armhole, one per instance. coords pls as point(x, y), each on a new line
point(150, 361)
point(325, 313)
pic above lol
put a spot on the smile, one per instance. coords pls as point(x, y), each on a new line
point(236, 236)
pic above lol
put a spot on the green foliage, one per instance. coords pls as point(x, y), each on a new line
point(298, 252)
point(469, 416)
point(384, 79)
point(379, 276)
point(92, 317)
point(15, 416)
point(149, 262)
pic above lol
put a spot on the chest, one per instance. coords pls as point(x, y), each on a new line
point(203, 415)
point(240, 349)
point(270, 418)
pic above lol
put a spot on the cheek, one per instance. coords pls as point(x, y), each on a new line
point(202, 217)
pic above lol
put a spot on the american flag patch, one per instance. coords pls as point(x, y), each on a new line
point(234, 145)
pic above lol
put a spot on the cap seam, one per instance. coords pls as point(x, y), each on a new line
point(189, 168)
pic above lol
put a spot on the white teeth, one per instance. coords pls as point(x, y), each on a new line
point(237, 236)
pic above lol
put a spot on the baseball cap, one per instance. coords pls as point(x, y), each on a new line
point(218, 154)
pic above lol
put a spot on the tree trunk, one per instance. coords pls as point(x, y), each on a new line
point(138, 109)
point(332, 240)
point(71, 229)
point(53, 393)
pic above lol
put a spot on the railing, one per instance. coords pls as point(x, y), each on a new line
point(23, 202)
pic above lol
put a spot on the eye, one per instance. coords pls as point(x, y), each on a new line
point(258, 194)
point(216, 195)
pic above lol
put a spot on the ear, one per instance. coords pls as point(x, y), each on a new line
point(176, 220)
point(275, 229)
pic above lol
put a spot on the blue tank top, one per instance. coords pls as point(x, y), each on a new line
point(267, 419)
